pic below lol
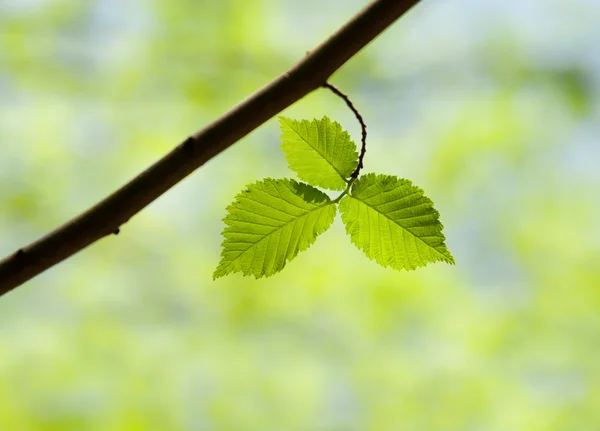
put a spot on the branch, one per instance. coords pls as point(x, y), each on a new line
point(363, 127)
point(106, 217)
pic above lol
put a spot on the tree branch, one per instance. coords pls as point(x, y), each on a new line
point(107, 216)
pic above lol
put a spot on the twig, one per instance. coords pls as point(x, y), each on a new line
point(106, 217)
point(363, 126)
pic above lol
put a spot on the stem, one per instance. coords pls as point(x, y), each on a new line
point(363, 126)
point(345, 192)
point(107, 216)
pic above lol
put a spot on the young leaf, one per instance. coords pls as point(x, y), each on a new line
point(269, 223)
point(394, 223)
point(319, 151)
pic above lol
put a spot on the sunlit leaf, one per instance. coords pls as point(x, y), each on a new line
point(269, 223)
point(391, 221)
point(319, 151)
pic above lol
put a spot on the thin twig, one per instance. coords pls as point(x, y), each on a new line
point(110, 214)
point(363, 126)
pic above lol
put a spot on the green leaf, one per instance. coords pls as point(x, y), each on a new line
point(394, 223)
point(269, 223)
point(319, 151)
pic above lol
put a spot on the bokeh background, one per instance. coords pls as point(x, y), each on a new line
point(492, 107)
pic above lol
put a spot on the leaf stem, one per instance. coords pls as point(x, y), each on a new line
point(363, 126)
point(345, 192)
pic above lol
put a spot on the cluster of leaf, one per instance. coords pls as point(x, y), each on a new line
point(269, 222)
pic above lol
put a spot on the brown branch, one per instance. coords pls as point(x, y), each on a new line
point(107, 216)
point(363, 127)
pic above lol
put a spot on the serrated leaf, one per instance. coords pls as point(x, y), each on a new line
point(319, 151)
point(269, 223)
point(391, 221)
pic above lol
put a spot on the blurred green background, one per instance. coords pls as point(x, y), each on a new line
point(492, 107)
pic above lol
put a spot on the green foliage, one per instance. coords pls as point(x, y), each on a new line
point(272, 220)
point(319, 151)
point(394, 223)
point(269, 223)
point(131, 336)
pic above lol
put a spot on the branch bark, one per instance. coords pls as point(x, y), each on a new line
point(107, 216)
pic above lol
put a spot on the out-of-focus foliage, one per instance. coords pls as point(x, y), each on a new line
point(492, 107)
